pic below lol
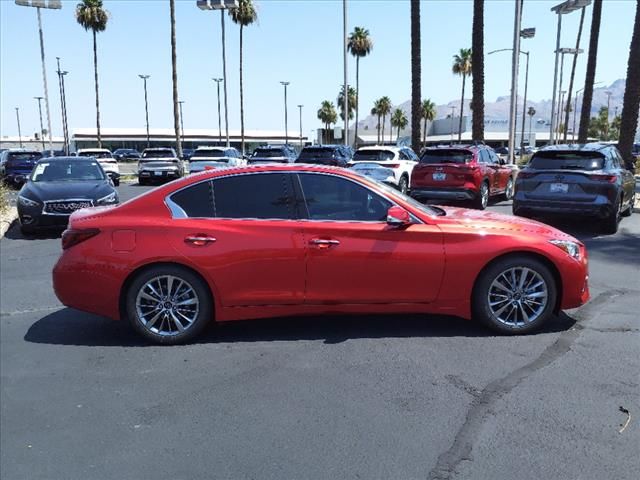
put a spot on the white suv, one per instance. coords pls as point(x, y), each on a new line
point(214, 157)
point(392, 165)
point(106, 160)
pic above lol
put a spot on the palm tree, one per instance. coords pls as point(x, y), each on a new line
point(91, 16)
point(462, 66)
point(399, 120)
point(244, 16)
point(477, 71)
point(327, 115)
point(590, 75)
point(352, 100)
point(567, 108)
point(428, 113)
point(376, 111)
point(416, 75)
point(174, 77)
point(360, 45)
point(631, 100)
point(384, 108)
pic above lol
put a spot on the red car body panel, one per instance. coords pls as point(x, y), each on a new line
point(266, 268)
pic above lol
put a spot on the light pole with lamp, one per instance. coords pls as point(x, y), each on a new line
point(300, 107)
point(286, 131)
point(221, 5)
point(345, 41)
point(218, 80)
point(63, 107)
point(563, 52)
point(39, 99)
point(146, 105)
point(180, 102)
point(515, 63)
point(563, 8)
point(19, 130)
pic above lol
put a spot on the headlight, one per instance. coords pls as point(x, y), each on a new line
point(571, 248)
point(27, 202)
point(111, 198)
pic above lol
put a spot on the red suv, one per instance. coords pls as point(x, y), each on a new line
point(472, 173)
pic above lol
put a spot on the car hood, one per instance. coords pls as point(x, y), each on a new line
point(45, 191)
point(492, 221)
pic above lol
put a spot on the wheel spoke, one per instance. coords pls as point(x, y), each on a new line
point(153, 321)
point(177, 323)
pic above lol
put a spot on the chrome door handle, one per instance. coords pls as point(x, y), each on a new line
point(199, 240)
point(323, 243)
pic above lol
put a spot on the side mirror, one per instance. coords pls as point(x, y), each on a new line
point(398, 217)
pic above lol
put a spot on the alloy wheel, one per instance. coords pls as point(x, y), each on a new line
point(518, 296)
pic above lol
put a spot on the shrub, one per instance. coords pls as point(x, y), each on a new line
point(4, 197)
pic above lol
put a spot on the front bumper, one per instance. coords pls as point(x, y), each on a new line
point(443, 194)
point(17, 177)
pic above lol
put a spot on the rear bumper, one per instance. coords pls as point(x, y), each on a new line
point(17, 177)
point(158, 174)
point(443, 194)
point(600, 208)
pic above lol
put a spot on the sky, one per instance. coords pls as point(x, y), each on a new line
point(299, 41)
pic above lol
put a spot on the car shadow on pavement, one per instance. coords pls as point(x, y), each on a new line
point(72, 327)
point(14, 233)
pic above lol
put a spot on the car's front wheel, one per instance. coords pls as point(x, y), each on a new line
point(403, 185)
point(514, 295)
point(508, 193)
point(168, 304)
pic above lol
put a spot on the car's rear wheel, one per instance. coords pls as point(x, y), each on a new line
point(612, 221)
point(403, 185)
point(168, 304)
point(482, 200)
point(508, 193)
point(514, 295)
point(632, 203)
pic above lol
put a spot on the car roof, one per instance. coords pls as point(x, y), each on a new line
point(213, 148)
point(158, 149)
point(381, 147)
point(584, 147)
point(62, 158)
point(94, 150)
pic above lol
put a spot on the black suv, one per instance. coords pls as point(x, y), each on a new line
point(273, 153)
point(335, 155)
point(570, 180)
point(123, 154)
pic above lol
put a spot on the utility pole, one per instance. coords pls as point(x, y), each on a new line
point(286, 131)
point(515, 61)
point(346, 85)
point(300, 107)
point(39, 99)
point(63, 107)
point(218, 80)
point(19, 130)
point(146, 105)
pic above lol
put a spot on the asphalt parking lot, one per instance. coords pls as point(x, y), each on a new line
point(388, 397)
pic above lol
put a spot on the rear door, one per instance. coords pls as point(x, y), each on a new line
point(241, 230)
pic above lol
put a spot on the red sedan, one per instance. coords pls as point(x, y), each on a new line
point(275, 240)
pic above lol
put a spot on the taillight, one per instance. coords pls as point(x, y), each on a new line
point(74, 237)
point(603, 178)
point(390, 165)
point(525, 174)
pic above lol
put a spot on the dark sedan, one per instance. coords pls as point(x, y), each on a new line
point(59, 186)
point(585, 180)
point(334, 155)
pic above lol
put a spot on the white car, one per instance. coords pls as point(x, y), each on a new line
point(392, 165)
point(214, 157)
point(159, 164)
point(106, 160)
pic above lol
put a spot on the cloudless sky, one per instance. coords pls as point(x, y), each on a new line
point(295, 40)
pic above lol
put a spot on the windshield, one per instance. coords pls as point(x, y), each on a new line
point(67, 171)
point(566, 161)
point(372, 155)
point(268, 153)
point(21, 156)
point(203, 154)
point(158, 154)
point(316, 153)
point(446, 156)
point(94, 154)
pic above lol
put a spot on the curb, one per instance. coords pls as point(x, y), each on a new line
point(10, 216)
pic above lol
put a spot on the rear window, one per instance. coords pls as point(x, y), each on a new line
point(310, 153)
point(158, 154)
point(207, 154)
point(446, 156)
point(566, 161)
point(21, 156)
point(95, 154)
point(372, 156)
point(268, 152)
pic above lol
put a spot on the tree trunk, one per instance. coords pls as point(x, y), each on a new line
point(477, 71)
point(573, 73)
point(174, 73)
point(416, 75)
point(631, 101)
point(464, 78)
point(378, 128)
point(95, 73)
point(585, 112)
point(241, 97)
point(390, 131)
point(355, 135)
point(424, 135)
point(384, 118)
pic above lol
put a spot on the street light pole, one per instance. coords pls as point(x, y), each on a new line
point(524, 106)
point(218, 80)
point(346, 86)
point(146, 105)
point(44, 81)
point(180, 102)
point(300, 107)
point(515, 63)
point(286, 131)
point(19, 130)
point(39, 99)
point(453, 111)
point(63, 107)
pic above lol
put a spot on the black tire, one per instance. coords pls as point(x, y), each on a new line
point(610, 224)
point(482, 200)
point(142, 182)
point(403, 184)
point(116, 182)
point(629, 210)
point(480, 298)
point(198, 287)
point(508, 193)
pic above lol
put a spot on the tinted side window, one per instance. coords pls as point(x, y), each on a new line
point(493, 158)
point(267, 195)
point(483, 157)
point(333, 198)
point(195, 201)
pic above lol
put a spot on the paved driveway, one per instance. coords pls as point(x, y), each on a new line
point(389, 397)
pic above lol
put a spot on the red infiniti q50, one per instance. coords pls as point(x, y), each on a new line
point(276, 240)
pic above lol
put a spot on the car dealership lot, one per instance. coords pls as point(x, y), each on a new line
point(341, 397)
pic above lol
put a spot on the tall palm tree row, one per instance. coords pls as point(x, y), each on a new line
point(567, 107)
point(398, 120)
point(416, 75)
point(462, 66)
point(631, 100)
point(428, 114)
point(244, 16)
point(91, 16)
point(352, 101)
point(174, 77)
point(590, 76)
point(384, 109)
point(360, 45)
point(327, 115)
point(477, 71)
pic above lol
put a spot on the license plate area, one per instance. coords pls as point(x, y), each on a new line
point(558, 187)
point(439, 176)
point(157, 174)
